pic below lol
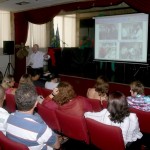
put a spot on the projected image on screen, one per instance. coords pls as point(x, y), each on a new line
point(121, 38)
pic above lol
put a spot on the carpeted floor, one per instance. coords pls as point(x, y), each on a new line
point(76, 145)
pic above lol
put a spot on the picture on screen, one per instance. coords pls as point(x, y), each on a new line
point(121, 38)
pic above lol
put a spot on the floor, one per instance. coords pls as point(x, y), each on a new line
point(76, 145)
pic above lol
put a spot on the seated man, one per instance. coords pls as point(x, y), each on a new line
point(36, 78)
point(27, 127)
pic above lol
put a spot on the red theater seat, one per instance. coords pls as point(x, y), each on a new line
point(10, 103)
point(96, 104)
point(73, 126)
point(49, 116)
point(7, 144)
point(104, 136)
point(144, 119)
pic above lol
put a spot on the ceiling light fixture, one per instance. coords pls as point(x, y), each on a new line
point(22, 3)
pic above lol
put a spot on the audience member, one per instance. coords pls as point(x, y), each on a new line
point(8, 84)
point(27, 127)
point(117, 114)
point(35, 77)
point(100, 89)
point(138, 99)
point(25, 79)
point(3, 113)
point(67, 101)
point(37, 58)
point(52, 82)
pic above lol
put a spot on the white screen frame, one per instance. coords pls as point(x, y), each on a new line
point(118, 46)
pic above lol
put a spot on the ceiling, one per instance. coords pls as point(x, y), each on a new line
point(23, 5)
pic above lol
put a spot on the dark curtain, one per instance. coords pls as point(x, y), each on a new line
point(43, 15)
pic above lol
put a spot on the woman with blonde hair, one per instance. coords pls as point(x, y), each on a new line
point(138, 99)
point(8, 84)
point(100, 89)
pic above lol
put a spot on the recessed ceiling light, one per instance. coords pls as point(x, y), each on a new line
point(22, 3)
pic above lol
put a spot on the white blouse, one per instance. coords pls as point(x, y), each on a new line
point(130, 126)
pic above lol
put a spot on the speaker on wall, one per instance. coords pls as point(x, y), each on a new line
point(8, 47)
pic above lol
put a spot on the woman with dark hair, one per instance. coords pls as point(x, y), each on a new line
point(67, 101)
point(117, 114)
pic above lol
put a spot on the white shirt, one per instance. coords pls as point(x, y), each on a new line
point(36, 60)
point(130, 126)
point(50, 85)
point(3, 118)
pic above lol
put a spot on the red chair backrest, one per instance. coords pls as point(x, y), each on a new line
point(7, 144)
point(46, 92)
point(73, 126)
point(42, 91)
point(10, 103)
point(104, 136)
point(144, 119)
point(49, 116)
point(96, 104)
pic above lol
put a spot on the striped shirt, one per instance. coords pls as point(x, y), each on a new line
point(130, 126)
point(30, 130)
point(140, 102)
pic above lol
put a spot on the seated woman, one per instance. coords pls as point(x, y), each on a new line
point(8, 84)
point(138, 99)
point(52, 82)
point(67, 101)
point(117, 114)
point(100, 90)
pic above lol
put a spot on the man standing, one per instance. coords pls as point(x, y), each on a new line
point(37, 58)
point(27, 127)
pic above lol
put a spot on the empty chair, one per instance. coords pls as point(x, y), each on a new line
point(49, 116)
point(73, 126)
point(10, 103)
point(7, 144)
point(143, 118)
point(104, 136)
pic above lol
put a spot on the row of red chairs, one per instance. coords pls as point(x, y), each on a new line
point(83, 129)
point(76, 127)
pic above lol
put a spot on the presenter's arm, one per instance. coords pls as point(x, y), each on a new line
point(46, 57)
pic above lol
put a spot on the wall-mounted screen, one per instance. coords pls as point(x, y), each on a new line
point(121, 38)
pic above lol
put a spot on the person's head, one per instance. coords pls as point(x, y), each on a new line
point(25, 78)
point(8, 81)
point(2, 96)
point(35, 75)
point(26, 97)
point(53, 78)
point(35, 48)
point(117, 107)
point(65, 94)
point(136, 87)
point(102, 86)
